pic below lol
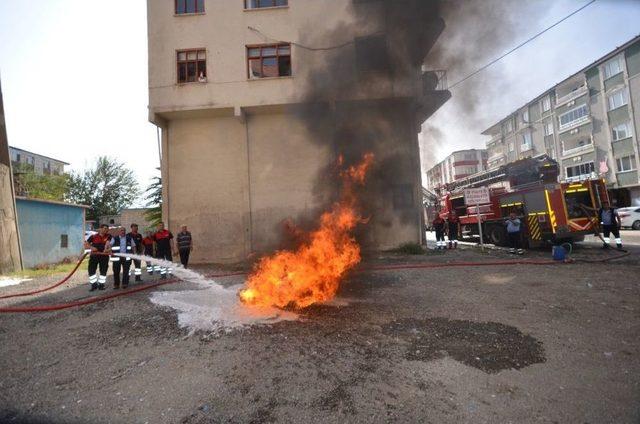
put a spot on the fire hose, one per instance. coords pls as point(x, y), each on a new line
point(82, 302)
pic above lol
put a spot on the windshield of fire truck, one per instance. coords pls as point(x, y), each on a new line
point(576, 200)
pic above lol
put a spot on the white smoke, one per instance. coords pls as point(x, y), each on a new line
point(212, 308)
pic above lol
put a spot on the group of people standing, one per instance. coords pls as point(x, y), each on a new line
point(102, 248)
point(449, 227)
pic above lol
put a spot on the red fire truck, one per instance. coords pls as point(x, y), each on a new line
point(551, 211)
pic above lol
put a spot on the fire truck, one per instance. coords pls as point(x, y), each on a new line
point(550, 211)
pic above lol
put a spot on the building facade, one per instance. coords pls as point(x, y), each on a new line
point(127, 217)
point(49, 231)
point(42, 165)
point(588, 122)
point(256, 101)
point(457, 165)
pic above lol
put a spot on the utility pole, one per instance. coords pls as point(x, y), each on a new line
point(10, 257)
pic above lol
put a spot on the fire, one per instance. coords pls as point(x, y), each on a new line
point(312, 273)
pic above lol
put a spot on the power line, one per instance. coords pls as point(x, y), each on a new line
point(521, 44)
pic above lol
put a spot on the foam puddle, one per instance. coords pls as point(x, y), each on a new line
point(6, 282)
point(212, 308)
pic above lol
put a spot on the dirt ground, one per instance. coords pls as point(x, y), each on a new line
point(498, 344)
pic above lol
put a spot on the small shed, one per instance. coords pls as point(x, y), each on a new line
point(50, 231)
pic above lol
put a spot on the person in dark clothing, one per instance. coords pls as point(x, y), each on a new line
point(454, 229)
point(147, 243)
point(139, 249)
point(185, 245)
point(122, 243)
point(513, 224)
point(438, 225)
point(164, 246)
point(610, 221)
point(98, 243)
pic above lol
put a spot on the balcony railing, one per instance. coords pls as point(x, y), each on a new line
point(575, 123)
point(579, 149)
point(434, 80)
point(577, 92)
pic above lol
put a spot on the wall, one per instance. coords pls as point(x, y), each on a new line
point(42, 223)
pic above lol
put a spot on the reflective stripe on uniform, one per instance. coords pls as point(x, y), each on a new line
point(138, 271)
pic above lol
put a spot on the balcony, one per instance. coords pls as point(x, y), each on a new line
point(576, 123)
point(582, 148)
point(496, 156)
point(572, 94)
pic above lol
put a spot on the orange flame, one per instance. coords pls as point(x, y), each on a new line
point(312, 273)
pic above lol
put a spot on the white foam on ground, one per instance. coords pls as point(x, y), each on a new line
point(6, 282)
point(213, 307)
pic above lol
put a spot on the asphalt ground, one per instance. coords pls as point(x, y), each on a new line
point(499, 344)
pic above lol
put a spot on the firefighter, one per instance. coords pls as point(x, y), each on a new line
point(147, 244)
point(164, 246)
point(610, 222)
point(139, 249)
point(453, 229)
point(438, 225)
point(122, 243)
point(99, 242)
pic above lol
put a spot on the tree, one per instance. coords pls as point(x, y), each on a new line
point(107, 188)
point(153, 196)
point(48, 187)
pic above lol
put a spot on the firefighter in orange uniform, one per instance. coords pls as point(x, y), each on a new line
point(438, 226)
point(98, 243)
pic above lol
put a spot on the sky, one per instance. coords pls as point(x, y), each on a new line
point(74, 74)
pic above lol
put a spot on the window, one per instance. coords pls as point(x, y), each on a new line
point(525, 116)
point(612, 67)
point(511, 148)
point(582, 169)
point(192, 66)
point(30, 160)
point(257, 4)
point(470, 156)
point(574, 116)
point(546, 103)
point(548, 128)
point(626, 163)
point(617, 99)
point(508, 126)
point(269, 61)
point(526, 142)
point(189, 6)
point(64, 240)
point(620, 131)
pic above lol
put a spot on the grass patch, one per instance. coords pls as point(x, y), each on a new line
point(409, 249)
point(53, 269)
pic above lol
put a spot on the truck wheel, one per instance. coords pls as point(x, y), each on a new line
point(636, 225)
point(497, 235)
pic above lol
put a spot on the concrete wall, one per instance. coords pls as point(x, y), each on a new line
point(9, 242)
point(41, 226)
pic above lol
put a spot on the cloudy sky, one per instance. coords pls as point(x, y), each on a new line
point(74, 72)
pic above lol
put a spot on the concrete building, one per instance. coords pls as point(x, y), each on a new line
point(127, 217)
point(10, 259)
point(588, 122)
point(256, 101)
point(457, 165)
point(50, 231)
point(42, 165)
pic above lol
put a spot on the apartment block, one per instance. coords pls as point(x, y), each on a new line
point(42, 165)
point(588, 122)
point(457, 165)
point(256, 100)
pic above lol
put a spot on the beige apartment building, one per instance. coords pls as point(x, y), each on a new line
point(256, 99)
point(588, 122)
point(458, 165)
